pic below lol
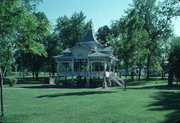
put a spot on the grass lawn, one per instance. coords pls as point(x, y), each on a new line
point(143, 102)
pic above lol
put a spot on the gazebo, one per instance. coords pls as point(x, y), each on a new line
point(88, 59)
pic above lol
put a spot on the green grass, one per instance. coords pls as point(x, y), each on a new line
point(143, 102)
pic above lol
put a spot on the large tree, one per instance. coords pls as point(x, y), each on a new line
point(53, 48)
point(158, 24)
point(71, 30)
point(42, 31)
point(130, 39)
point(18, 26)
point(32, 61)
point(174, 61)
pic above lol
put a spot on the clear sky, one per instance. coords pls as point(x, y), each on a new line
point(102, 12)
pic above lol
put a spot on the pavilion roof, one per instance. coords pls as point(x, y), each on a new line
point(96, 49)
point(67, 51)
point(64, 56)
point(98, 54)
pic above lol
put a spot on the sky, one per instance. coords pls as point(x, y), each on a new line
point(102, 12)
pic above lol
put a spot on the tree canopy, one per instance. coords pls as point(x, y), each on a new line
point(70, 30)
point(174, 60)
point(103, 34)
point(18, 27)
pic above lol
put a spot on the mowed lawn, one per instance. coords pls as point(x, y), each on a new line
point(143, 102)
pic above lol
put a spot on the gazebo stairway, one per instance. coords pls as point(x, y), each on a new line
point(119, 81)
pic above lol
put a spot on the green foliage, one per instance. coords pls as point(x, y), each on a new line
point(21, 28)
point(157, 22)
point(33, 60)
point(103, 34)
point(18, 26)
point(141, 37)
point(12, 81)
point(131, 39)
point(71, 30)
point(53, 48)
point(174, 58)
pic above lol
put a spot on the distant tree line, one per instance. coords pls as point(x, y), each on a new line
point(141, 39)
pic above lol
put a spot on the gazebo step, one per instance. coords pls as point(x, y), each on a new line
point(120, 83)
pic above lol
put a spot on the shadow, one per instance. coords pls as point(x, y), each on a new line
point(159, 87)
point(167, 101)
point(30, 80)
point(41, 87)
point(75, 94)
point(137, 83)
point(48, 86)
point(14, 118)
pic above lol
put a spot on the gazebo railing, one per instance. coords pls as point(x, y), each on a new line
point(84, 73)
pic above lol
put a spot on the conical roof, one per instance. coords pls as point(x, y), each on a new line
point(89, 37)
point(90, 41)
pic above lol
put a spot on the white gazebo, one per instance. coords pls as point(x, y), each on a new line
point(88, 59)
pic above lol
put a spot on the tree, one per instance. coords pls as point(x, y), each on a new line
point(174, 61)
point(18, 27)
point(42, 31)
point(53, 48)
point(71, 30)
point(130, 40)
point(103, 34)
point(32, 61)
point(157, 23)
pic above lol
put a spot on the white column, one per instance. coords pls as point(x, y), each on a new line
point(57, 70)
point(87, 81)
point(110, 84)
point(90, 69)
point(91, 66)
point(72, 70)
point(99, 66)
point(104, 82)
point(58, 66)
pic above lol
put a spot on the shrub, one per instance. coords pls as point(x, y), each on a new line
point(12, 82)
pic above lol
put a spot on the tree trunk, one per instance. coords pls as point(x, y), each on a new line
point(37, 75)
point(23, 74)
point(147, 73)
point(2, 104)
point(170, 78)
point(125, 84)
point(33, 73)
point(132, 74)
point(139, 74)
point(148, 70)
point(37, 72)
point(53, 74)
point(49, 74)
point(1, 93)
point(5, 74)
point(120, 74)
point(162, 75)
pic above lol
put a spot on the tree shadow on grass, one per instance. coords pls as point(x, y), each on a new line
point(167, 101)
point(29, 80)
point(14, 118)
point(75, 94)
point(42, 86)
point(159, 87)
point(137, 83)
